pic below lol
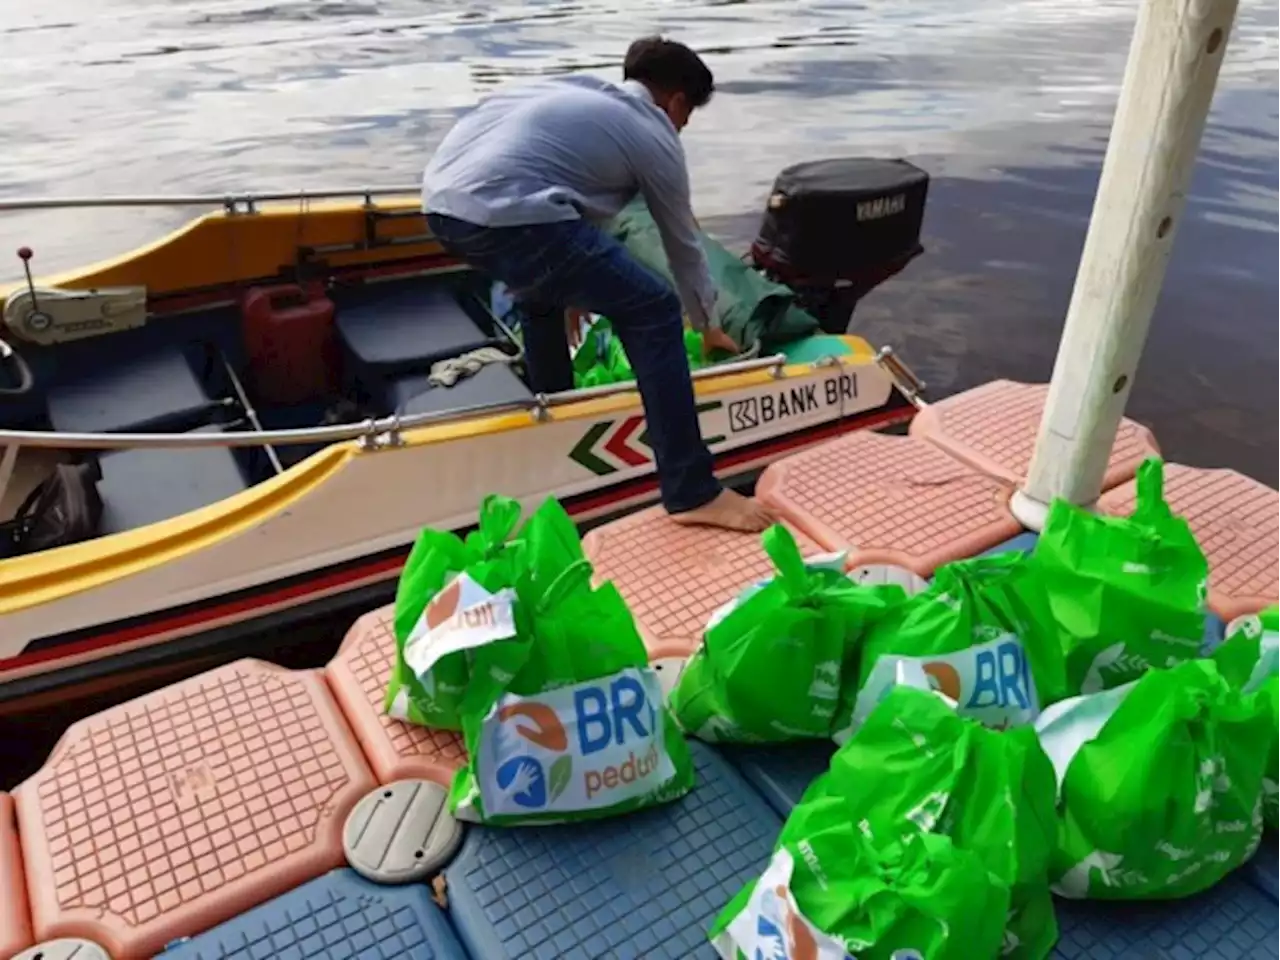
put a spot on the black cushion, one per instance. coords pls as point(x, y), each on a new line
point(153, 391)
point(402, 327)
point(143, 486)
point(491, 384)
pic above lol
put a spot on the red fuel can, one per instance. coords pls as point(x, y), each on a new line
point(291, 342)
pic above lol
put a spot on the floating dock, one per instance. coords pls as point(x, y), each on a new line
point(674, 577)
point(205, 820)
point(961, 426)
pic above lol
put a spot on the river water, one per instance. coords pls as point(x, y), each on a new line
point(1007, 104)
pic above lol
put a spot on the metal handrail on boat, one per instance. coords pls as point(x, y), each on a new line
point(230, 201)
point(364, 430)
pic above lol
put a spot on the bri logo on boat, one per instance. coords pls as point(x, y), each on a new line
point(586, 745)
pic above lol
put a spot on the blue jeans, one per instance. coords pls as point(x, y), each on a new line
point(551, 266)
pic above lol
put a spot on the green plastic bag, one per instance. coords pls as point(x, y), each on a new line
point(484, 562)
point(1159, 783)
point(562, 715)
point(981, 633)
point(772, 662)
point(602, 360)
point(928, 837)
point(1248, 659)
point(1127, 593)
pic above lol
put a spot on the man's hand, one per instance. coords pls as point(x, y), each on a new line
point(574, 320)
point(713, 338)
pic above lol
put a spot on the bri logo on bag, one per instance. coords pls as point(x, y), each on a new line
point(461, 616)
point(990, 682)
point(784, 935)
point(584, 745)
point(523, 779)
point(772, 926)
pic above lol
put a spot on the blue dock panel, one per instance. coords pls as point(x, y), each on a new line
point(339, 916)
point(1261, 870)
point(646, 885)
point(1232, 921)
point(783, 771)
point(1023, 541)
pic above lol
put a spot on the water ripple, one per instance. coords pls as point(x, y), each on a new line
point(1007, 103)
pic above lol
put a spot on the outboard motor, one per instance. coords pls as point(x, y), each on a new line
point(836, 229)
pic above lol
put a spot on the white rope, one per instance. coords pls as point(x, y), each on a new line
point(445, 373)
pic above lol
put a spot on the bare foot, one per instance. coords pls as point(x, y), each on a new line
point(729, 511)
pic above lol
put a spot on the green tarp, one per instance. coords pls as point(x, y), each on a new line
point(750, 308)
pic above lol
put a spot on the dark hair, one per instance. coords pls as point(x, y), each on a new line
point(670, 67)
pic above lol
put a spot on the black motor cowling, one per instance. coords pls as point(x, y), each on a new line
point(836, 229)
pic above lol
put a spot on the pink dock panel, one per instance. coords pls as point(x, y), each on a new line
point(15, 920)
point(993, 429)
point(173, 812)
point(358, 675)
point(888, 499)
point(1236, 520)
point(673, 576)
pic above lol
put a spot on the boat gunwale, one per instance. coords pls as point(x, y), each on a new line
point(33, 579)
point(373, 427)
point(238, 210)
point(232, 202)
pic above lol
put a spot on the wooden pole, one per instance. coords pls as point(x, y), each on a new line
point(1173, 65)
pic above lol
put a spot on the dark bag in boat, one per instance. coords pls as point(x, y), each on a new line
point(62, 510)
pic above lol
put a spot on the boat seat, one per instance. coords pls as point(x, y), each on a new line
point(495, 383)
point(152, 391)
point(143, 486)
point(392, 329)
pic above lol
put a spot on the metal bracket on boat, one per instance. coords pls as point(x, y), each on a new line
point(234, 205)
point(827, 361)
point(377, 438)
point(541, 409)
point(778, 369)
point(908, 384)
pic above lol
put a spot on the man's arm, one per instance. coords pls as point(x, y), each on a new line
point(664, 183)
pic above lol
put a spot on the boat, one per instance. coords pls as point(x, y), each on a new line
point(258, 811)
point(251, 399)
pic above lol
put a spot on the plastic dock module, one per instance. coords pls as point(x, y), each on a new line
point(1231, 921)
point(396, 750)
point(673, 577)
point(782, 772)
point(889, 500)
point(1237, 522)
point(1025, 541)
point(648, 884)
point(339, 916)
point(1262, 869)
point(15, 920)
point(175, 811)
point(993, 429)
point(64, 949)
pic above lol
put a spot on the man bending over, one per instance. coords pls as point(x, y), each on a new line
point(515, 190)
